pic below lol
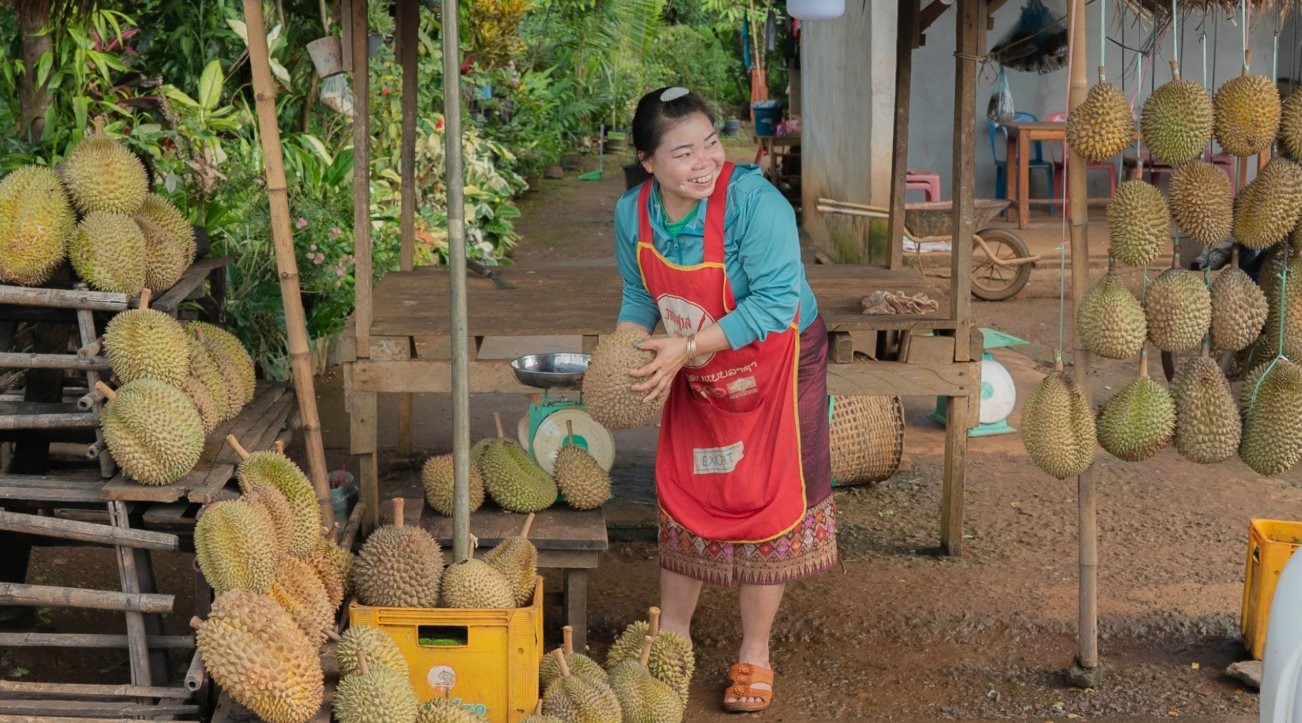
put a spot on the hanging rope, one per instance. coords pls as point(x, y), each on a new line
point(1103, 39)
point(1066, 189)
point(1243, 12)
point(1175, 33)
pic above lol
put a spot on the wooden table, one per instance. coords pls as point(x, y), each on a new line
point(877, 354)
point(567, 539)
point(1021, 134)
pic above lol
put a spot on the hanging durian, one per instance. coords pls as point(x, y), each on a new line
point(1178, 308)
point(1207, 422)
point(1269, 207)
point(1110, 320)
point(1202, 202)
point(1290, 125)
point(1139, 223)
point(1247, 111)
point(1101, 126)
point(1058, 426)
point(1272, 422)
point(1177, 120)
point(1139, 420)
point(1238, 310)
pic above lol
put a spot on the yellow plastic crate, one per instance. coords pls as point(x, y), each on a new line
point(487, 659)
point(1270, 545)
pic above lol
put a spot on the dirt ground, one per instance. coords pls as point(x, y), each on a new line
point(899, 632)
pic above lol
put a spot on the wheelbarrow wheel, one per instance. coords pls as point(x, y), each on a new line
point(990, 280)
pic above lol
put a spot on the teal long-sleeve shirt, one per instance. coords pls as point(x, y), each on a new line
point(761, 251)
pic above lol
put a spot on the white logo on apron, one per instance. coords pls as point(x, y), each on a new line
point(684, 318)
point(717, 460)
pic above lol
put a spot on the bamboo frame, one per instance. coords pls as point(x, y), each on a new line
point(408, 37)
point(1086, 667)
point(286, 263)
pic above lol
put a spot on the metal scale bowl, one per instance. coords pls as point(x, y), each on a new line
point(542, 431)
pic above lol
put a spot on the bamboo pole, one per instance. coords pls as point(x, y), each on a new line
point(12, 593)
point(64, 298)
point(457, 268)
point(1085, 671)
point(86, 531)
point(361, 176)
point(286, 263)
point(91, 640)
point(20, 360)
point(408, 27)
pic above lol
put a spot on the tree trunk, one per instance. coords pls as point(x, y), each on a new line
point(33, 16)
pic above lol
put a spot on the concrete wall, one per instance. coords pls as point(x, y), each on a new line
point(847, 99)
point(931, 110)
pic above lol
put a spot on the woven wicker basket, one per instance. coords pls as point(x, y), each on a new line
point(867, 438)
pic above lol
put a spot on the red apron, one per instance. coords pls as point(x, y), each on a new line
point(728, 465)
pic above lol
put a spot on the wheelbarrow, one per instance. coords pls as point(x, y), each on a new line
point(1001, 261)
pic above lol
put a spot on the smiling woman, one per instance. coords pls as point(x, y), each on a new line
point(743, 475)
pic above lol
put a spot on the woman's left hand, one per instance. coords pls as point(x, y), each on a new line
point(671, 355)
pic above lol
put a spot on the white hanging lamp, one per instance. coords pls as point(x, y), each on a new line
point(815, 9)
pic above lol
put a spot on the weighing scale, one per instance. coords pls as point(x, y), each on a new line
point(998, 393)
point(542, 430)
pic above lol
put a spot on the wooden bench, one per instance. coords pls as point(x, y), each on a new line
point(567, 539)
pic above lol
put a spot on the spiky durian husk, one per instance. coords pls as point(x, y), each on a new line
point(1202, 202)
point(436, 477)
point(147, 344)
point(1110, 320)
point(234, 544)
point(1178, 308)
point(169, 242)
point(1247, 111)
point(1058, 428)
point(102, 175)
point(153, 431)
point(1238, 310)
point(257, 654)
point(1290, 125)
point(35, 222)
point(1272, 420)
point(1102, 126)
point(1207, 423)
point(107, 250)
point(1138, 421)
point(1176, 121)
point(1139, 223)
point(1269, 207)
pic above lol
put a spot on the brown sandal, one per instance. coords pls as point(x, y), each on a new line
point(743, 677)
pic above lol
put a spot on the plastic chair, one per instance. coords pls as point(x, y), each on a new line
point(1035, 163)
point(1151, 167)
point(925, 180)
point(1060, 166)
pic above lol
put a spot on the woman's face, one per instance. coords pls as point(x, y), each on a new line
point(688, 160)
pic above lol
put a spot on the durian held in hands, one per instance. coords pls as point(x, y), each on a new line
point(608, 390)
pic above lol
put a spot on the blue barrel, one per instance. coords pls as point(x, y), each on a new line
point(767, 119)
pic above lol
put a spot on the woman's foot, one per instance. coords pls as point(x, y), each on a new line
point(752, 686)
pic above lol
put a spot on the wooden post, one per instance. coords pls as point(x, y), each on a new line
point(907, 31)
point(1085, 671)
point(361, 177)
point(408, 26)
point(283, 237)
point(970, 26)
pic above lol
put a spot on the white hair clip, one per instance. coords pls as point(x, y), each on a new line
point(673, 93)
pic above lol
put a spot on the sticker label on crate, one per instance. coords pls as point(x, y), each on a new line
point(443, 677)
